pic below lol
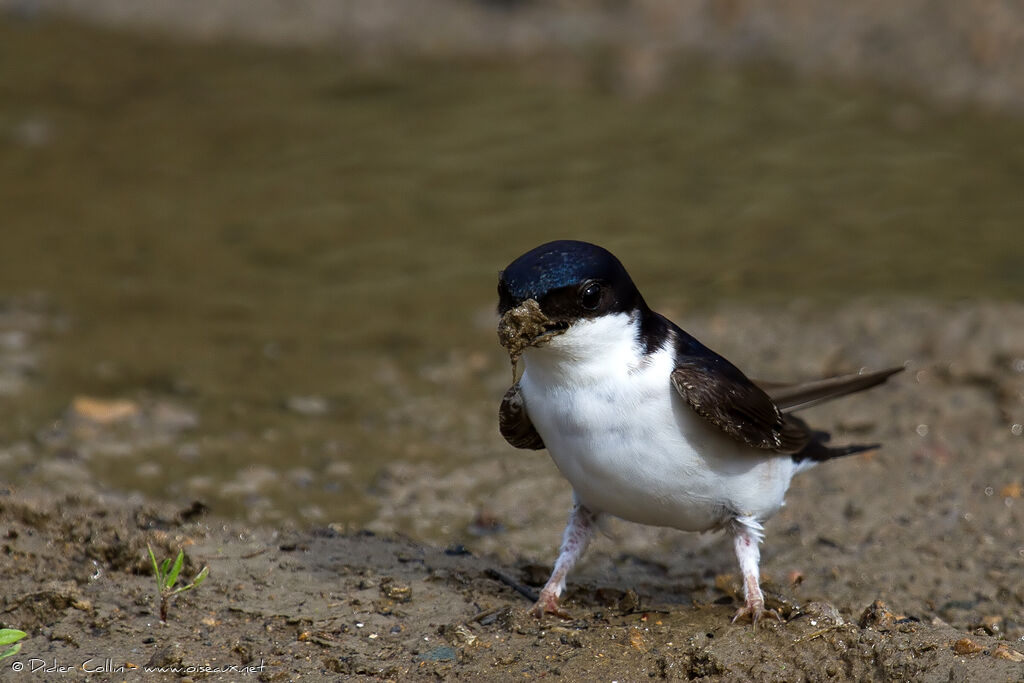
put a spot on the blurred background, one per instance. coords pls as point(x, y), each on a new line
point(250, 248)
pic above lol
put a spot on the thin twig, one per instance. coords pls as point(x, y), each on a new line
point(525, 591)
point(486, 613)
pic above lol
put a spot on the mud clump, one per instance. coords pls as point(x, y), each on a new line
point(525, 326)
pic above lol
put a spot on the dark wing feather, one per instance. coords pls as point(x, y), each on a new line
point(515, 424)
point(725, 397)
point(758, 414)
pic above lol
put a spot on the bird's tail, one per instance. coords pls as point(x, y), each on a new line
point(817, 449)
point(793, 397)
point(824, 452)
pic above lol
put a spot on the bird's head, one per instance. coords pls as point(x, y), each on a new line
point(550, 289)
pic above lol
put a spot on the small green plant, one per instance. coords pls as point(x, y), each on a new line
point(167, 576)
point(10, 636)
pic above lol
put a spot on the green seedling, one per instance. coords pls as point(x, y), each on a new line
point(10, 636)
point(167, 576)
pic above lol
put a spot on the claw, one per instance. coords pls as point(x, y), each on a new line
point(755, 610)
point(548, 604)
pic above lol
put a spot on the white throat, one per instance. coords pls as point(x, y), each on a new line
point(590, 349)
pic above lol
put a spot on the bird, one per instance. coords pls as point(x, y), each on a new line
point(645, 422)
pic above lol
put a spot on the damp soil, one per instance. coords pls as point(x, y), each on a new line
point(300, 248)
point(368, 607)
point(269, 340)
point(901, 564)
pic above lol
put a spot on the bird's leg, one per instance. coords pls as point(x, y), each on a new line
point(747, 534)
point(575, 540)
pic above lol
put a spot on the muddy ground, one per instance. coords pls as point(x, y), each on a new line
point(902, 564)
point(380, 528)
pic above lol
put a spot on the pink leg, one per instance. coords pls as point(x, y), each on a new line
point(575, 540)
point(747, 533)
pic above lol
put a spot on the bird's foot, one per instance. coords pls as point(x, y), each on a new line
point(548, 604)
point(755, 609)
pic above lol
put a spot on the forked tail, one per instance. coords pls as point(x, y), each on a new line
point(792, 397)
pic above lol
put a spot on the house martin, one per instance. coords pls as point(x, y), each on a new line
point(645, 422)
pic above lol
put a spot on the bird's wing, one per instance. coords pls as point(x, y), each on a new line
point(725, 397)
point(514, 422)
point(792, 397)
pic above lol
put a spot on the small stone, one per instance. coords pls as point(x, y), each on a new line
point(396, 591)
point(823, 612)
point(966, 646)
point(458, 633)
point(630, 601)
point(878, 617)
point(1004, 652)
point(439, 654)
point(992, 623)
point(309, 406)
point(101, 411)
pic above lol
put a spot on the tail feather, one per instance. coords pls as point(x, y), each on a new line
point(817, 449)
point(793, 397)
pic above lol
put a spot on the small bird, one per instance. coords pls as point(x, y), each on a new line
point(645, 422)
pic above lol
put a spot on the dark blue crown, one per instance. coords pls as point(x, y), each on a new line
point(559, 264)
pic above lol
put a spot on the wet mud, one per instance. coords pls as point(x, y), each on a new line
point(903, 564)
point(367, 607)
point(268, 357)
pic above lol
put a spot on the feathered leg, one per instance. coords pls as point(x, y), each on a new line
point(578, 532)
point(747, 534)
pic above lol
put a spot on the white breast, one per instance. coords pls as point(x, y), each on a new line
point(628, 443)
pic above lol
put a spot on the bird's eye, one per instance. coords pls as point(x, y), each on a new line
point(590, 296)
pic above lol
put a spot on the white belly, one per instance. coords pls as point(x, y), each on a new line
point(631, 447)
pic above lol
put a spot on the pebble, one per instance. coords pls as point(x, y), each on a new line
point(1004, 652)
point(309, 406)
point(444, 653)
point(102, 411)
point(966, 646)
point(398, 592)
